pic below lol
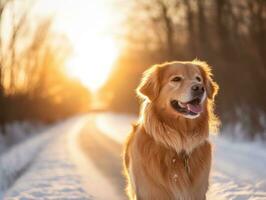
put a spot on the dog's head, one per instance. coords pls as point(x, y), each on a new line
point(179, 88)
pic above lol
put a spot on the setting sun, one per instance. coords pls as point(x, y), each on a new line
point(87, 24)
point(92, 60)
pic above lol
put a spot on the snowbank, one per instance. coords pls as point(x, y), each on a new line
point(16, 159)
point(17, 132)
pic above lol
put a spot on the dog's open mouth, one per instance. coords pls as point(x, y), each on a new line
point(193, 107)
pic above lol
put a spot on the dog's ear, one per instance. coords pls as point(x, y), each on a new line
point(211, 86)
point(149, 86)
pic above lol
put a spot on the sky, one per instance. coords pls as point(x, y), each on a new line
point(89, 26)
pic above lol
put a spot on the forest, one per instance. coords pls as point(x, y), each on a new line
point(33, 81)
point(230, 35)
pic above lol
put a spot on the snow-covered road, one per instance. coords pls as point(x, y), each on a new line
point(53, 166)
point(43, 167)
point(81, 159)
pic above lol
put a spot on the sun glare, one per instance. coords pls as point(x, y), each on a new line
point(92, 60)
point(87, 25)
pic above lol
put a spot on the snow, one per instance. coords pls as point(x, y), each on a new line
point(238, 171)
point(50, 172)
point(16, 132)
point(93, 180)
point(116, 126)
point(17, 158)
point(51, 165)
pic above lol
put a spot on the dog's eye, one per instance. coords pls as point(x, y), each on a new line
point(176, 79)
point(198, 78)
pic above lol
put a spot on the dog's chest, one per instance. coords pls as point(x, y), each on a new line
point(187, 169)
point(179, 169)
point(179, 166)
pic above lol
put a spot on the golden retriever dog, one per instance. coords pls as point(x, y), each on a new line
point(168, 155)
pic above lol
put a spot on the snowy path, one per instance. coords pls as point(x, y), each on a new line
point(51, 172)
point(81, 159)
point(105, 154)
point(53, 166)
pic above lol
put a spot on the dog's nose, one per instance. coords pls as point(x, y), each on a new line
point(197, 89)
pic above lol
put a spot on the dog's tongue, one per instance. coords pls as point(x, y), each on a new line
point(195, 108)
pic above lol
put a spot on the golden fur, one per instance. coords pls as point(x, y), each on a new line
point(168, 156)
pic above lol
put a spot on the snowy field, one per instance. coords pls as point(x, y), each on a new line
point(239, 169)
point(51, 165)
